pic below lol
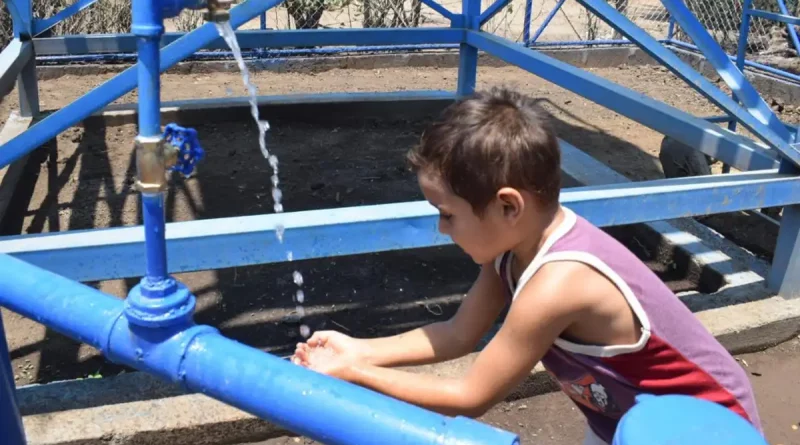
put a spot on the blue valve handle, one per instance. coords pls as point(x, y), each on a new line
point(189, 150)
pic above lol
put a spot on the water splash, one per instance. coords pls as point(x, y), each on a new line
point(226, 32)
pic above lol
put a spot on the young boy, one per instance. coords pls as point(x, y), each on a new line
point(603, 325)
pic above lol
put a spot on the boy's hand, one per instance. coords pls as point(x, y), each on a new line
point(347, 348)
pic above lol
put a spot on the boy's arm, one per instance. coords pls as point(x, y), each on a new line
point(535, 320)
point(445, 340)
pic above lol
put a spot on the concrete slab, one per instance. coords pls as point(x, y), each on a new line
point(11, 174)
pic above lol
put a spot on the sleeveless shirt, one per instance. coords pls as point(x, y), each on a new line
point(674, 355)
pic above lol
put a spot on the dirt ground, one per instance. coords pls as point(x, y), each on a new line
point(552, 419)
point(84, 179)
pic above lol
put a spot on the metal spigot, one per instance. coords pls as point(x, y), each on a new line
point(218, 11)
point(178, 149)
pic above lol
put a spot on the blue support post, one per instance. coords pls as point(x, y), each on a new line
point(148, 28)
point(526, 22)
point(11, 430)
point(317, 406)
point(761, 123)
point(27, 83)
point(784, 276)
point(468, 54)
point(671, 28)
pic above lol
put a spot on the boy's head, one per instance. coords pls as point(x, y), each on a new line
point(492, 165)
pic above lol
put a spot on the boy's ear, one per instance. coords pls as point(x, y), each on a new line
point(512, 203)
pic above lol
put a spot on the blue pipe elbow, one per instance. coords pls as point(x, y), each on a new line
point(200, 359)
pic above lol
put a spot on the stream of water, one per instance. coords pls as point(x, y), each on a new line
point(227, 33)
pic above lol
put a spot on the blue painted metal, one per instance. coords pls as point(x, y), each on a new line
point(228, 242)
point(546, 22)
point(42, 25)
point(710, 139)
point(269, 56)
point(317, 406)
point(257, 39)
point(188, 145)
point(734, 78)
point(262, 21)
point(148, 27)
point(12, 60)
point(121, 84)
point(526, 22)
point(763, 130)
point(783, 18)
point(11, 429)
point(439, 8)
point(21, 17)
point(789, 28)
point(492, 10)
point(673, 419)
point(468, 54)
point(759, 66)
point(671, 28)
point(783, 276)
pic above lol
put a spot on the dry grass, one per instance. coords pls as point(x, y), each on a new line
point(105, 16)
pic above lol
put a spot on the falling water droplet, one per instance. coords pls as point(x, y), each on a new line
point(298, 278)
point(300, 296)
point(305, 331)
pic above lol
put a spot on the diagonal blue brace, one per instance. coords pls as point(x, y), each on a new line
point(42, 25)
point(776, 138)
point(439, 8)
point(732, 76)
point(492, 11)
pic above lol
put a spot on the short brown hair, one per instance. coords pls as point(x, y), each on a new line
point(491, 140)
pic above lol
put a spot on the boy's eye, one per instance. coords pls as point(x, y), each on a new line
point(445, 216)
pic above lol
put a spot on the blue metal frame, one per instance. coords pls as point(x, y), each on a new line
point(103, 254)
point(152, 329)
point(42, 25)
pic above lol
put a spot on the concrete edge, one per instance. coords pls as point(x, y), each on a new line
point(199, 420)
point(11, 175)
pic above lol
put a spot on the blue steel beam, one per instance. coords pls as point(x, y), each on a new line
point(731, 148)
point(121, 84)
point(468, 54)
point(12, 60)
point(42, 25)
point(733, 77)
point(783, 18)
point(240, 241)
point(776, 138)
point(256, 39)
point(315, 405)
point(546, 22)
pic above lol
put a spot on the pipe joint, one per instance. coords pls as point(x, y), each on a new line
point(160, 304)
point(153, 158)
point(218, 11)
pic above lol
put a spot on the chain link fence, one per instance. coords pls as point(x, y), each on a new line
point(769, 42)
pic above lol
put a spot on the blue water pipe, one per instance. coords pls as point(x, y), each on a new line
point(684, 420)
point(200, 359)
